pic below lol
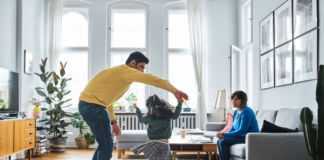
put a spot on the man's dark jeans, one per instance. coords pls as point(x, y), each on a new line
point(98, 120)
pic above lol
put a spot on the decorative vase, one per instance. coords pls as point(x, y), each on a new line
point(187, 109)
point(37, 112)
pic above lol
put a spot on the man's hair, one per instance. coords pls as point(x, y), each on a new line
point(158, 108)
point(138, 57)
point(240, 95)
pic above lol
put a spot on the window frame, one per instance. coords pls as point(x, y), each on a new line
point(110, 51)
point(243, 34)
point(82, 8)
point(168, 51)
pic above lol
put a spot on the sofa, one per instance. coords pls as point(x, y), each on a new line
point(129, 139)
point(268, 146)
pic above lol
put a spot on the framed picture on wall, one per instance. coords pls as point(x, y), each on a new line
point(283, 23)
point(283, 65)
point(28, 62)
point(305, 57)
point(267, 70)
point(305, 16)
point(266, 34)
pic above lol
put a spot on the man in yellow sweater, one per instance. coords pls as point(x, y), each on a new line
point(108, 86)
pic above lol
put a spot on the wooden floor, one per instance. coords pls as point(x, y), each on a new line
point(73, 154)
point(86, 154)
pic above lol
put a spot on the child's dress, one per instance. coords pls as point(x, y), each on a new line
point(154, 150)
point(158, 131)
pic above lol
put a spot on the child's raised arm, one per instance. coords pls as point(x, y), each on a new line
point(139, 114)
point(177, 111)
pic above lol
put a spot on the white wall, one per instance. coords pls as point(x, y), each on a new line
point(292, 96)
point(31, 37)
point(22, 27)
point(8, 14)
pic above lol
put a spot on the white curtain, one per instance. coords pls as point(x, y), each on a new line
point(197, 29)
point(55, 23)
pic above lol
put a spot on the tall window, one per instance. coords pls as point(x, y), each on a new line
point(246, 65)
point(180, 63)
point(75, 49)
point(127, 32)
point(246, 22)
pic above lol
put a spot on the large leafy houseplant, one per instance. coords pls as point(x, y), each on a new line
point(55, 92)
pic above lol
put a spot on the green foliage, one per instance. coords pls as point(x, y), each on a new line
point(2, 104)
point(78, 122)
point(90, 138)
point(54, 93)
point(131, 98)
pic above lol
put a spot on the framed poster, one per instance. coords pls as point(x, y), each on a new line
point(305, 57)
point(267, 70)
point(305, 16)
point(283, 65)
point(283, 23)
point(266, 34)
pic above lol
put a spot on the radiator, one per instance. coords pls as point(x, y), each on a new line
point(129, 121)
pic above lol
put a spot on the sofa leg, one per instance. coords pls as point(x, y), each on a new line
point(119, 154)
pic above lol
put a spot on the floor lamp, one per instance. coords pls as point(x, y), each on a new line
point(221, 102)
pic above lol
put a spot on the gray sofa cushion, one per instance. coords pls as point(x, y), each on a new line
point(269, 115)
point(238, 150)
point(288, 118)
point(131, 136)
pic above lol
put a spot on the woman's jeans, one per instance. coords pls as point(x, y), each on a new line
point(223, 146)
point(98, 120)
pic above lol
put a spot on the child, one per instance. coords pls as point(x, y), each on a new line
point(158, 118)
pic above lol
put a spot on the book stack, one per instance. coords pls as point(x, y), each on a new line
point(39, 148)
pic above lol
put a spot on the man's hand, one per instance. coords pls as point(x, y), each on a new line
point(219, 135)
point(180, 95)
point(116, 130)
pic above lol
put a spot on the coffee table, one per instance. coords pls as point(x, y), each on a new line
point(192, 143)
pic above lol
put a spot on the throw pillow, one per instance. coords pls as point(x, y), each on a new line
point(228, 124)
point(272, 128)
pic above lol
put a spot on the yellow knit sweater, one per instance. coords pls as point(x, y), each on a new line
point(110, 84)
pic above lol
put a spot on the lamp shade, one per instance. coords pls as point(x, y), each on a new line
point(221, 100)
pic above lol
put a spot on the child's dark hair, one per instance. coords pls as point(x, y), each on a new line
point(158, 108)
point(138, 57)
point(240, 95)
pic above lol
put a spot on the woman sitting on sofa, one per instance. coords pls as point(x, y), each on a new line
point(244, 121)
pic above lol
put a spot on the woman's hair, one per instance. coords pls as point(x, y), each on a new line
point(158, 108)
point(240, 95)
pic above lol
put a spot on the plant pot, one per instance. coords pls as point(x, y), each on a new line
point(57, 144)
point(82, 143)
point(187, 109)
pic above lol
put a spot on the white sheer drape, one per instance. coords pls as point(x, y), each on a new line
point(55, 24)
point(197, 29)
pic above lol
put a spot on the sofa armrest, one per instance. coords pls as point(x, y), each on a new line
point(278, 146)
point(214, 126)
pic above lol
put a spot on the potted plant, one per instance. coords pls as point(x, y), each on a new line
point(186, 108)
point(90, 138)
point(78, 122)
point(131, 99)
point(55, 91)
